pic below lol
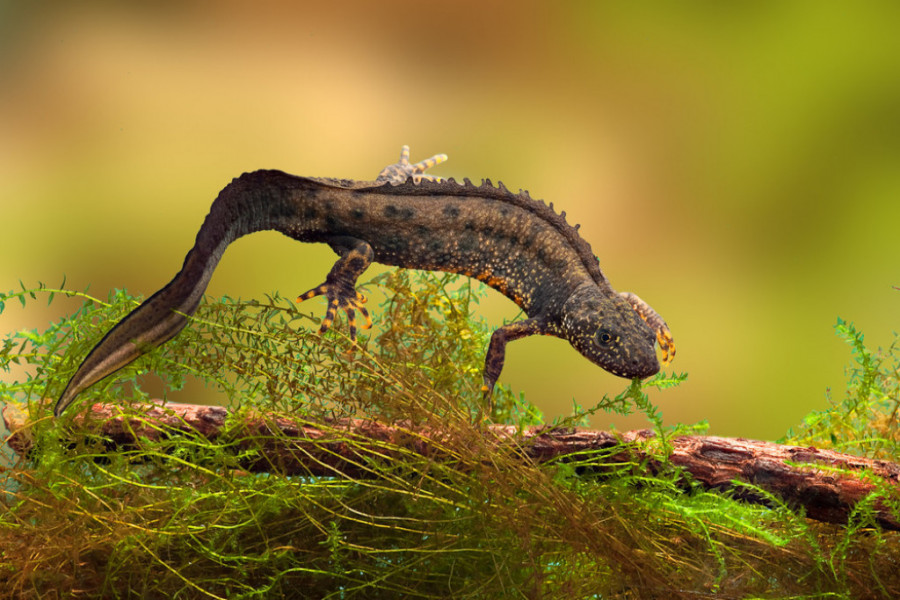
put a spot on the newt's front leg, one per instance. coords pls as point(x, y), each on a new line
point(651, 317)
point(496, 352)
point(340, 284)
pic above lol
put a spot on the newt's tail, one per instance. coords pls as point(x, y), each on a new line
point(166, 312)
point(151, 324)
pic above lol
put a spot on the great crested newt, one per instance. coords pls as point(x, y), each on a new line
point(518, 246)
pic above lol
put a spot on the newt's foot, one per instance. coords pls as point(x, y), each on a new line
point(340, 284)
point(651, 317)
point(666, 344)
point(401, 171)
point(338, 298)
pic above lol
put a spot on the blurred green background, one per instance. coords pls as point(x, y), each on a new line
point(735, 164)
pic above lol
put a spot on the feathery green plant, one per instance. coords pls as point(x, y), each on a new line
point(866, 421)
point(179, 518)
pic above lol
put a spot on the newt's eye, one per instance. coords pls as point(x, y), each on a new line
point(604, 337)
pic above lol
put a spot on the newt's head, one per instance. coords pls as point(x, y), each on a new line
point(609, 333)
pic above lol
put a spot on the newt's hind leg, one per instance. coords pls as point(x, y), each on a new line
point(401, 171)
point(656, 323)
point(340, 284)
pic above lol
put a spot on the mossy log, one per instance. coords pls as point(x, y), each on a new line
point(826, 484)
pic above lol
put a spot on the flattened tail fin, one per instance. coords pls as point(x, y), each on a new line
point(157, 320)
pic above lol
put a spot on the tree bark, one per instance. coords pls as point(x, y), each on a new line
point(827, 484)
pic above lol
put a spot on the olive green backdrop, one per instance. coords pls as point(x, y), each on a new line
point(735, 164)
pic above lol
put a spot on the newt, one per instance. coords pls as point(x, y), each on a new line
point(406, 218)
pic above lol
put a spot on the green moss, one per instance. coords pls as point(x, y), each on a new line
point(178, 518)
point(866, 421)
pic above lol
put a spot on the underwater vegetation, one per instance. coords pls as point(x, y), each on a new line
point(179, 517)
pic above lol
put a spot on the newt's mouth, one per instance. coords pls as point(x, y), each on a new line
point(647, 370)
point(641, 371)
